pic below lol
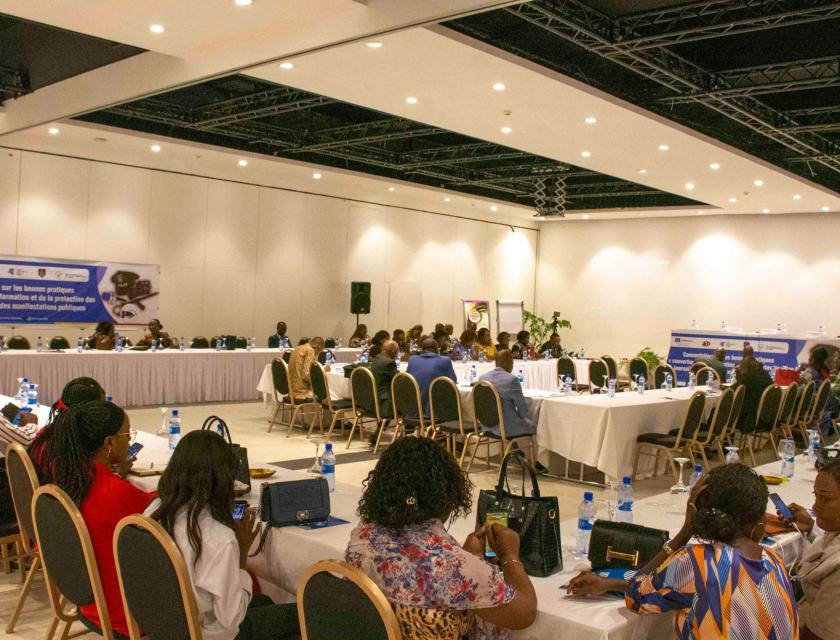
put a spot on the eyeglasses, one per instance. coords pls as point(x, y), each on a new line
point(132, 435)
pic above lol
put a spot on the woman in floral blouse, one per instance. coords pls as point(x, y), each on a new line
point(440, 590)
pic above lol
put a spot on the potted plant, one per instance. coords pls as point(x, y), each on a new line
point(651, 357)
point(540, 328)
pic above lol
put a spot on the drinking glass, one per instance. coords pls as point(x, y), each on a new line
point(732, 455)
point(315, 469)
point(635, 380)
point(679, 491)
point(786, 451)
point(611, 498)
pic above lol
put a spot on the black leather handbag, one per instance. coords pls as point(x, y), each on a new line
point(536, 519)
point(243, 473)
point(295, 502)
point(623, 545)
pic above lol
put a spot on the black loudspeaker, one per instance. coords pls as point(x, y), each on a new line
point(360, 297)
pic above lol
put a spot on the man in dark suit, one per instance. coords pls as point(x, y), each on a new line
point(384, 368)
point(426, 367)
point(280, 339)
point(518, 420)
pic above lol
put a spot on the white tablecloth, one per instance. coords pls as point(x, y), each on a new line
point(141, 378)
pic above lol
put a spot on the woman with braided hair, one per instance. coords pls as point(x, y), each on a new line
point(79, 453)
point(726, 585)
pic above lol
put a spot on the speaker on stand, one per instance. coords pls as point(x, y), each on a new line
point(359, 299)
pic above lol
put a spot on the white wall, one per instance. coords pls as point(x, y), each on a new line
point(625, 284)
point(236, 258)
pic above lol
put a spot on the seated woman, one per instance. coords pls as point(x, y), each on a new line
point(103, 337)
point(359, 335)
point(752, 376)
point(195, 506)
point(484, 342)
point(503, 341)
point(439, 589)
point(817, 370)
point(818, 572)
point(727, 585)
point(376, 342)
point(78, 453)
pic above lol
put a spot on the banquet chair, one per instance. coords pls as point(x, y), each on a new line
point(199, 342)
point(654, 444)
point(598, 372)
point(659, 375)
point(805, 406)
point(612, 367)
point(287, 356)
point(704, 375)
point(147, 555)
point(566, 367)
point(487, 407)
point(23, 482)
point(821, 393)
point(297, 406)
point(365, 401)
point(638, 366)
point(333, 594)
point(59, 342)
point(70, 567)
point(766, 419)
point(787, 410)
point(321, 390)
point(241, 343)
point(696, 366)
point(18, 342)
point(280, 391)
point(447, 419)
point(702, 440)
point(725, 438)
point(408, 410)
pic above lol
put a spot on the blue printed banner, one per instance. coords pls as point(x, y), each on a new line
point(773, 351)
point(42, 291)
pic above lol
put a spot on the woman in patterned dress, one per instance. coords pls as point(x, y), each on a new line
point(727, 585)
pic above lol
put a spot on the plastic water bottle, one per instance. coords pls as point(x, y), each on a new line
point(182, 346)
point(723, 325)
point(218, 344)
point(80, 345)
point(669, 382)
point(465, 356)
point(547, 354)
point(813, 445)
point(698, 473)
point(692, 381)
point(174, 430)
point(32, 395)
point(39, 344)
point(118, 344)
point(582, 351)
point(473, 374)
point(520, 376)
point(611, 390)
point(525, 354)
point(249, 344)
point(482, 356)
point(328, 466)
point(788, 458)
point(567, 385)
point(23, 391)
point(640, 385)
point(586, 517)
point(694, 324)
point(154, 345)
point(625, 501)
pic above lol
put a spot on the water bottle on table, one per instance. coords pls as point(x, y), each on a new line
point(328, 466)
point(174, 430)
point(473, 374)
point(813, 445)
point(23, 390)
point(39, 344)
point(787, 452)
point(482, 356)
point(182, 345)
point(32, 396)
point(520, 376)
point(465, 356)
point(586, 517)
point(154, 345)
point(250, 344)
point(640, 384)
point(692, 381)
point(625, 501)
point(611, 390)
point(567, 385)
point(80, 345)
point(547, 354)
point(669, 382)
point(698, 473)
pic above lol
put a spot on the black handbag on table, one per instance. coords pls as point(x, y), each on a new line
point(536, 519)
point(623, 545)
point(243, 473)
point(292, 502)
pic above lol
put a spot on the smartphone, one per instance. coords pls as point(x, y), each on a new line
point(494, 517)
point(781, 506)
point(239, 509)
point(134, 449)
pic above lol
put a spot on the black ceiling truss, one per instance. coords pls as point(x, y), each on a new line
point(251, 114)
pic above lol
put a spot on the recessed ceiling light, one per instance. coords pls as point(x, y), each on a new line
point(714, 166)
point(586, 154)
point(586, 216)
point(765, 211)
point(316, 176)
point(392, 188)
point(797, 197)
point(156, 28)
point(590, 120)
point(699, 213)
point(642, 170)
point(53, 131)
point(411, 100)
point(374, 44)
point(689, 186)
point(242, 3)
point(287, 65)
point(733, 200)
point(447, 199)
point(155, 148)
point(506, 130)
point(664, 147)
point(826, 208)
point(243, 163)
point(758, 183)
point(499, 86)
point(494, 208)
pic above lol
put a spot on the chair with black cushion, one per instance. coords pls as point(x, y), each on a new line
point(725, 437)
point(287, 356)
point(566, 368)
point(704, 375)
point(335, 595)
point(408, 410)
point(806, 400)
point(336, 408)
point(147, 555)
point(766, 419)
point(487, 408)
point(447, 419)
point(365, 399)
point(822, 390)
point(695, 367)
point(70, 567)
point(241, 343)
point(639, 367)
point(18, 343)
point(708, 432)
point(23, 482)
point(59, 342)
point(660, 372)
point(612, 367)
point(787, 410)
point(279, 391)
point(656, 444)
point(597, 375)
point(199, 342)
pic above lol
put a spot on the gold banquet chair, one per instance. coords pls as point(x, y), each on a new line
point(487, 405)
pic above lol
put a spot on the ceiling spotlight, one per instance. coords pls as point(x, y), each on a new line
point(590, 120)
point(155, 148)
point(826, 208)
point(499, 86)
point(156, 28)
point(447, 199)
point(506, 130)
point(714, 166)
point(242, 3)
point(243, 163)
point(765, 211)
point(392, 188)
point(586, 154)
point(411, 100)
point(699, 213)
point(586, 216)
point(374, 44)
point(689, 186)
point(758, 183)
point(797, 197)
point(642, 170)
point(316, 176)
point(287, 65)
point(53, 131)
point(494, 208)
point(733, 200)
point(664, 147)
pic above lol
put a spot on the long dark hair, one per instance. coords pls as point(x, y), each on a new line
point(66, 449)
point(77, 391)
point(199, 476)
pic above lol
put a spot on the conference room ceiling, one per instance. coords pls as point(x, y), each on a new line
point(760, 75)
point(257, 116)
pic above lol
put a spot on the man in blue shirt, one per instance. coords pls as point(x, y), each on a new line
point(518, 420)
point(426, 367)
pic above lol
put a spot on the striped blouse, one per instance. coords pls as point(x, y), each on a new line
point(718, 593)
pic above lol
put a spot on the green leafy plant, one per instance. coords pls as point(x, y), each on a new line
point(540, 328)
point(652, 358)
